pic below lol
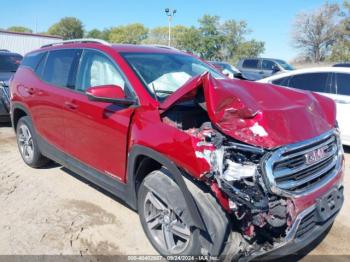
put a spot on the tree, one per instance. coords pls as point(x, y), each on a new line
point(98, 34)
point(235, 45)
point(158, 35)
point(182, 37)
point(188, 39)
point(315, 32)
point(68, 28)
point(20, 29)
point(128, 34)
point(341, 48)
point(211, 40)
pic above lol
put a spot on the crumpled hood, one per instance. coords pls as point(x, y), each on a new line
point(263, 115)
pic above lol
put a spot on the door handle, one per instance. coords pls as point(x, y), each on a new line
point(70, 105)
point(29, 90)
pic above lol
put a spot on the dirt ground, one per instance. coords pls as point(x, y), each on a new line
point(51, 211)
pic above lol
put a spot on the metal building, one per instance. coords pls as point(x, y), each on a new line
point(23, 43)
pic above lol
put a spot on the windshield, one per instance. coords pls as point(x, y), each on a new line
point(9, 62)
point(285, 65)
point(164, 73)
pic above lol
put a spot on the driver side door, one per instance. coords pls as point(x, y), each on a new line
point(97, 132)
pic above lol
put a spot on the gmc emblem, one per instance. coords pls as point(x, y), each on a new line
point(315, 156)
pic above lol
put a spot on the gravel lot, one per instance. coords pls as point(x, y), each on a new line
point(51, 211)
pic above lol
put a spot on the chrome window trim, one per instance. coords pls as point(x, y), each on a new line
point(274, 156)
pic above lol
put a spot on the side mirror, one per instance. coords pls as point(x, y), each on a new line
point(109, 94)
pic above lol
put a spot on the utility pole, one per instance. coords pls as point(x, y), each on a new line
point(170, 14)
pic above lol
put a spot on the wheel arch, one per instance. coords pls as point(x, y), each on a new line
point(18, 111)
point(138, 163)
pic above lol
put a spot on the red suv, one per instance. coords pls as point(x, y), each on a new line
point(214, 166)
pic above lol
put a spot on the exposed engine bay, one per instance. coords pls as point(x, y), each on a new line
point(262, 218)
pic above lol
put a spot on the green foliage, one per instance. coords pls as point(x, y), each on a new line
point(68, 28)
point(128, 34)
point(20, 29)
point(211, 40)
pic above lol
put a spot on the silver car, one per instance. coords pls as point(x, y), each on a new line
point(258, 68)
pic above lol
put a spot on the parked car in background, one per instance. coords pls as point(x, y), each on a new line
point(214, 166)
point(9, 63)
point(342, 65)
point(258, 68)
point(333, 82)
point(226, 68)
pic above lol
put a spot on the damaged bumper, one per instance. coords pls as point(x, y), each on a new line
point(308, 227)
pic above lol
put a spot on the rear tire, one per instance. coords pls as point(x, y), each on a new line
point(28, 145)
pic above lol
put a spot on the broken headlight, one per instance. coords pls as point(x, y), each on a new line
point(237, 166)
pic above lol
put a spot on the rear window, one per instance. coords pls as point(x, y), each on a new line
point(59, 69)
point(250, 63)
point(343, 84)
point(316, 82)
point(9, 62)
point(32, 60)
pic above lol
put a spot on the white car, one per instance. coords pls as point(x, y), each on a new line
point(333, 82)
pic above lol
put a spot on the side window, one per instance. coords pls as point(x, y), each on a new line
point(282, 81)
point(60, 66)
point(267, 65)
point(316, 82)
point(251, 63)
point(96, 69)
point(32, 60)
point(343, 84)
point(41, 66)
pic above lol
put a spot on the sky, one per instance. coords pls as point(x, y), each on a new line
point(270, 20)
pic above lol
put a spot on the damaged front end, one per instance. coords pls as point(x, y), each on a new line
point(236, 129)
point(235, 177)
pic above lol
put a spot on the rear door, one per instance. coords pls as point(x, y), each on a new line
point(267, 67)
point(342, 98)
point(96, 132)
point(55, 72)
point(251, 69)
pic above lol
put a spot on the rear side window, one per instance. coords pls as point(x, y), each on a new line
point(60, 67)
point(281, 82)
point(268, 65)
point(251, 63)
point(32, 60)
point(316, 82)
point(343, 84)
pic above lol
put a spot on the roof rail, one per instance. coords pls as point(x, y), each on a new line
point(80, 40)
point(162, 46)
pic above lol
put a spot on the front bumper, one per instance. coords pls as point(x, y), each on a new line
point(303, 232)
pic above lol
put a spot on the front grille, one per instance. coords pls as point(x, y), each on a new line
point(290, 169)
point(306, 224)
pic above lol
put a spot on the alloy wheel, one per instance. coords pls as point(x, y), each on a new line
point(167, 228)
point(25, 142)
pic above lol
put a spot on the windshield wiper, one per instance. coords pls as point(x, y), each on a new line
point(163, 91)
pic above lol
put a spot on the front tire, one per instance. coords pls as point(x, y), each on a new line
point(168, 228)
point(216, 239)
point(27, 144)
